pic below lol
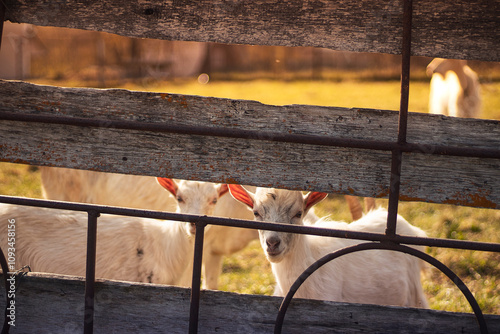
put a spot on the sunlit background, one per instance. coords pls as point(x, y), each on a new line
point(272, 75)
point(293, 75)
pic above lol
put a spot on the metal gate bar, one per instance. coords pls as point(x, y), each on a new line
point(88, 316)
point(394, 192)
point(397, 155)
point(256, 135)
point(195, 287)
point(388, 246)
point(209, 220)
point(386, 241)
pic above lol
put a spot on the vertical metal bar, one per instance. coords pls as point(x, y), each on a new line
point(405, 70)
point(195, 288)
point(88, 321)
point(403, 118)
point(392, 214)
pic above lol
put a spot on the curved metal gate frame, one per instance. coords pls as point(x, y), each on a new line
point(379, 246)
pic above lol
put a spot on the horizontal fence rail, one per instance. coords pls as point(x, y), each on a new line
point(257, 135)
point(112, 138)
point(439, 26)
point(152, 307)
point(210, 220)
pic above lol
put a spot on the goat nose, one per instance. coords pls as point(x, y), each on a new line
point(273, 243)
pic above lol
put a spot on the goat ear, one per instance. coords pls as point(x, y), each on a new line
point(241, 194)
point(222, 189)
point(168, 184)
point(313, 198)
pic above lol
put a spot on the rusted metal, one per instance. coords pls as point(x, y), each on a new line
point(88, 322)
point(256, 135)
point(389, 246)
point(195, 287)
point(397, 155)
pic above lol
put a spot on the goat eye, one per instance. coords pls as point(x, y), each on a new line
point(214, 201)
point(298, 215)
point(256, 214)
point(179, 199)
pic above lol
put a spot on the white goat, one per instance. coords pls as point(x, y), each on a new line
point(132, 249)
point(454, 88)
point(374, 276)
point(143, 192)
point(74, 185)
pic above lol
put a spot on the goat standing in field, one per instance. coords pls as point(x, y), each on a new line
point(454, 88)
point(128, 248)
point(373, 276)
point(142, 192)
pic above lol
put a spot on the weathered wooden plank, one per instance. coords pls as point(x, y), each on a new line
point(434, 178)
point(465, 29)
point(54, 304)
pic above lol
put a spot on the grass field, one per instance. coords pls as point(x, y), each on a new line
point(249, 272)
point(349, 93)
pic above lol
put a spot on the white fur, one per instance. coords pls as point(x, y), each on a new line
point(374, 276)
point(143, 192)
point(454, 88)
point(131, 249)
point(74, 185)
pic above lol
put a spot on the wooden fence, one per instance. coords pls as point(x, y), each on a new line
point(132, 308)
point(329, 149)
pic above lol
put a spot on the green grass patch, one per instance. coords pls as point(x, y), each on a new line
point(20, 180)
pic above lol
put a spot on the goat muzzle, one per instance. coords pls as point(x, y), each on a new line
point(273, 245)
